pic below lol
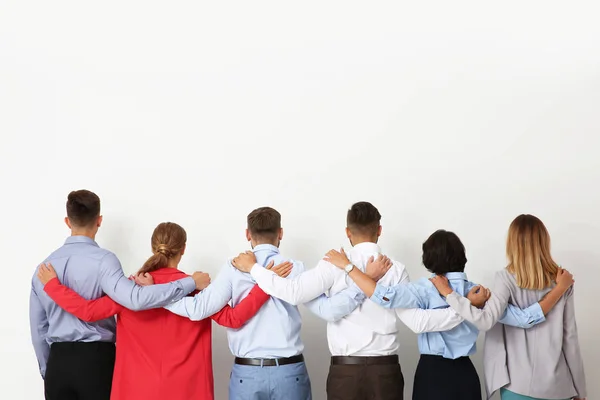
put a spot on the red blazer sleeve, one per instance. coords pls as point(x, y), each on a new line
point(236, 317)
point(86, 310)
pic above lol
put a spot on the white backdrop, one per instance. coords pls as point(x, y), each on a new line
point(456, 116)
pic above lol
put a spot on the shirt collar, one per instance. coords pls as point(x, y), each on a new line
point(456, 276)
point(266, 247)
point(81, 239)
point(367, 247)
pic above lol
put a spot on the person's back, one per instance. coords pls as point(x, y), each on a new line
point(374, 328)
point(456, 342)
point(161, 355)
point(269, 363)
point(280, 321)
point(537, 358)
point(76, 359)
point(77, 264)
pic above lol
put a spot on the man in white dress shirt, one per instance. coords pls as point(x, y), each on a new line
point(363, 344)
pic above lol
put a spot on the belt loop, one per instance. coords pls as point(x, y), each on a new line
point(277, 362)
point(261, 362)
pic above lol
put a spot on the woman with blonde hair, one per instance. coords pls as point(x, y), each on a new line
point(543, 362)
point(160, 355)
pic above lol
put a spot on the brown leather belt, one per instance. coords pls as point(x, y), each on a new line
point(269, 362)
point(351, 360)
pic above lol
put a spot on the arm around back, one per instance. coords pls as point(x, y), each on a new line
point(125, 292)
point(208, 301)
point(85, 310)
point(236, 317)
point(484, 319)
point(300, 289)
point(334, 308)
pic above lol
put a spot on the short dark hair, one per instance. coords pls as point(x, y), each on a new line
point(363, 218)
point(83, 207)
point(264, 223)
point(443, 252)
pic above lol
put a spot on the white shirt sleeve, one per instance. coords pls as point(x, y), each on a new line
point(298, 290)
point(422, 321)
point(207, 302)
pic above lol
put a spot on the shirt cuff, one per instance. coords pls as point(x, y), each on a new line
point(379, 295)
point(355, 293)
point(536, 313)
point(188, 284)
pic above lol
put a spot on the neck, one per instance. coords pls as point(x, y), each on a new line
point(174, 261)
point(254, 244)
point(358, 240)
point(84, 232)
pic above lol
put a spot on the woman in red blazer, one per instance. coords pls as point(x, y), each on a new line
point(160, 355)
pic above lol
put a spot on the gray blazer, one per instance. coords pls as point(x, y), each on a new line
point(543, 361)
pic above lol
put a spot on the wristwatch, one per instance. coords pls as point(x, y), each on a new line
point(348, 268)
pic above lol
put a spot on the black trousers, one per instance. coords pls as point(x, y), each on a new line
point(439, 378)
point(366, 381)
point(79, 371)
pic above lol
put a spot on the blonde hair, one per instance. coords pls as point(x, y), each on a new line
point(528, 252)
point(168, 241)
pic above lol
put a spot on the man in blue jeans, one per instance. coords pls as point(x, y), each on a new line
point(75, 358)
point(269, 364)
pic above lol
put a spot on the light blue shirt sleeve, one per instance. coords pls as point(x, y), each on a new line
point(337, 306)
point(38, 322)
point(531, 316)
point(125, 292)
point(404, 295)
point(207, 302)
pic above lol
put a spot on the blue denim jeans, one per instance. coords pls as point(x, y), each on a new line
point(286, 382)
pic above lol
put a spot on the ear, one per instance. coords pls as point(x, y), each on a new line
point(68, 222)
point(379, 230)
point(280, 233)
point(348, 233)
point(99, 221)
point(183, 250)
point(248, 235)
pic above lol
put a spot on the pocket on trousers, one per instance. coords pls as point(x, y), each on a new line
point(390, 383)
point(298, 386)
point(341, 386)
point(243, 384)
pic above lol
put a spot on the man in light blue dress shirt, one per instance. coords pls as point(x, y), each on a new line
point(76, 358)
point(268, 350)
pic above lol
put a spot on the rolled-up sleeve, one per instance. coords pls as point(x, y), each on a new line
point(523, 318)
point(404, 295)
